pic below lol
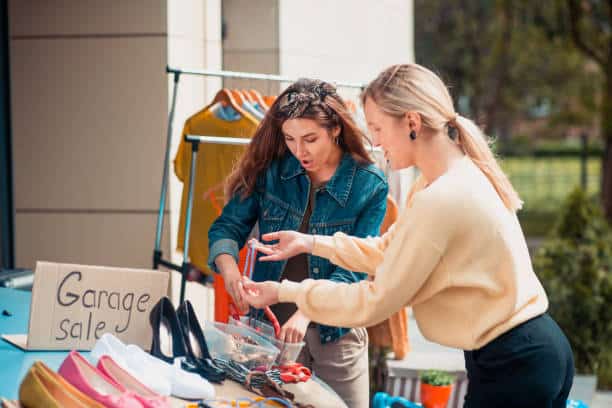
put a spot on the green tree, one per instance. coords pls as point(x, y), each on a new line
point(502, 64)
point(590, 26)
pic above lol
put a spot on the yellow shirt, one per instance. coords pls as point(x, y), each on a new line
point(456, 255)
point(214, 164)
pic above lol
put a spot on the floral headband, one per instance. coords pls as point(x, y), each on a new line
point(295, 103)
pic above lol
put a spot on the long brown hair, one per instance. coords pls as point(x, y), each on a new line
point(411, 87)
point(305, 99)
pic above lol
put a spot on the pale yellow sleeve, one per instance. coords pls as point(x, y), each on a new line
point(411, 255)
point(361, 254)
point(353, 253)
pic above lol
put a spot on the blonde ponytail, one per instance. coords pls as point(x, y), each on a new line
point(413, 88)
point(474, 143)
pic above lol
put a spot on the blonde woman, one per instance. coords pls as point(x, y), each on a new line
point(457, 253)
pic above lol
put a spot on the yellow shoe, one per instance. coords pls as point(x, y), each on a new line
point(43, 387)
point(9, 404)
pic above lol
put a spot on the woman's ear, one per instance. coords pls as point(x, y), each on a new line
point(413, 120)
point(335, 132)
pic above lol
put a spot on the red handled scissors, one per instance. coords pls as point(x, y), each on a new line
point(294, 373)
point(249, 265)
point(234, 312)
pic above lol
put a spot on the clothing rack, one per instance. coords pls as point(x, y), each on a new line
point(195, 141)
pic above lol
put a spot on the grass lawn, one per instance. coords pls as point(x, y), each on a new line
point(543, 183)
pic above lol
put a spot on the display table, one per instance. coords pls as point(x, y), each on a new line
point(14, 362)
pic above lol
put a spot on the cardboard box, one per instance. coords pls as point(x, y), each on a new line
point(73, 305)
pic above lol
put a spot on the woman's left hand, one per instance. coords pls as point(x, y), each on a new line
point(294, 330)
point(261, 294)
point(290, 244)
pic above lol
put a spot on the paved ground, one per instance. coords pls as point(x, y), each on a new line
point(451, 359)
point(602, 400)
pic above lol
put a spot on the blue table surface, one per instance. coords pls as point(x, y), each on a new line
point(14, 362)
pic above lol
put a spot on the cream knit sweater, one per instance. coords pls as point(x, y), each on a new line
point(456, 255)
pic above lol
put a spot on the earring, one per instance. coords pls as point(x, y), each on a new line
point(412, 135)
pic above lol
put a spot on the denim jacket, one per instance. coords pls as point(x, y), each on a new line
point(353, 201)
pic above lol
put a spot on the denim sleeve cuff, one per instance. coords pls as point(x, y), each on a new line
point(222, 246)
point(341, 277)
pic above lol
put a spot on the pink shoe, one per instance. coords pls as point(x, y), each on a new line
point(147, 397)
point(90, 381)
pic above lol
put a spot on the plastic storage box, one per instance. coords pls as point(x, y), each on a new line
point(240, 344)
point(289, 352)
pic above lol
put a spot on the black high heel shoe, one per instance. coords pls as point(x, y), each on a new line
point(169, 341)
point(197, 349)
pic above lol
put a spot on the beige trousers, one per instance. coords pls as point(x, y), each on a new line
point(342, 364)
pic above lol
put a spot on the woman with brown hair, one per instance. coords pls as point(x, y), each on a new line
point(306, 169)
point(456, 254)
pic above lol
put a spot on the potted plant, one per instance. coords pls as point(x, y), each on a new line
point(575, 267)
point(436, 388)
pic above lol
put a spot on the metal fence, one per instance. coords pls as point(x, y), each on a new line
point(544, 177)
point(543, 181)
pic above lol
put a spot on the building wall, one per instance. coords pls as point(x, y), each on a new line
point(344, 40)
point(251, 41)
point(340, 40)
point(348, 41)
point(89, 101)
point(194, 42)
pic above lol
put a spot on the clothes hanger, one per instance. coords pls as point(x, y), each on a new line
point(238, 97)
point(269, 99)
point(225, 98)
point(247, 96)
point(245, 102)
point(258, 98)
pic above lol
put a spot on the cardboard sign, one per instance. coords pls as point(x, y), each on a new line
point(73, 305)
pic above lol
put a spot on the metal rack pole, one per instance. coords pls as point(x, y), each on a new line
point(234, 141)
point(185, 266)
point(249, 75)
point(237, 141)
point(157, 253)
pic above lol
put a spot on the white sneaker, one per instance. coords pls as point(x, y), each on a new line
point(183, 384)
point(111, 346)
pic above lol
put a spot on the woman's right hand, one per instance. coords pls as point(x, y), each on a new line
point(233, 281)
point(290, 244)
